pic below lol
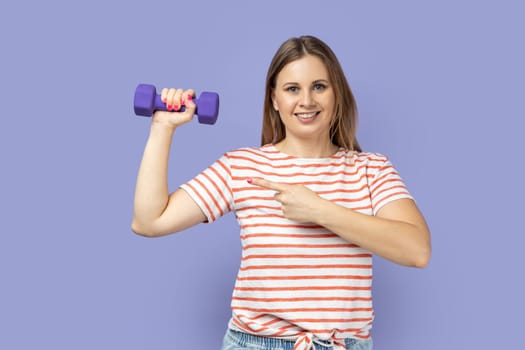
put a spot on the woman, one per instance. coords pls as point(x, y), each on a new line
point(312, 208)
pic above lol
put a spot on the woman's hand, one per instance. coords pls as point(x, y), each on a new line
point(174, 100)
point(298, 202)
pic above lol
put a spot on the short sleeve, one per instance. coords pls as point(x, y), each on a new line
point(211, 189)
point(386, 186)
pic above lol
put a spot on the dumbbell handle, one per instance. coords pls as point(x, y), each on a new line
point(161, 106)
point(147, 101)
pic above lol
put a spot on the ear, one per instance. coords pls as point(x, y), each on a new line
point(274, 102)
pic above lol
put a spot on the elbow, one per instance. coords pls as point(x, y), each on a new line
point(141, 230)
point(421, 263)
point(423, 251)
point(149, 230)
point(422, 259)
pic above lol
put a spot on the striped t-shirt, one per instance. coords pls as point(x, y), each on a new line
point(298, 280)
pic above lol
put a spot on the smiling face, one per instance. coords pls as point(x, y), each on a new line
point(305, 99)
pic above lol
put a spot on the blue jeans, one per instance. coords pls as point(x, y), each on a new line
point(234, 340)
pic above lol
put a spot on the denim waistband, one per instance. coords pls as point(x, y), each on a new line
point(245, 339)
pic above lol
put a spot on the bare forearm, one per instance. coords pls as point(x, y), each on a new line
point(398, 241)
point(151, 193)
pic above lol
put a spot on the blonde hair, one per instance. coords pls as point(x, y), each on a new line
point(344, 123)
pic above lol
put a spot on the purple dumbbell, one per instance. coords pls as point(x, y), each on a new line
point(147, 101)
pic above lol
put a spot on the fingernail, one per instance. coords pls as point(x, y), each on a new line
point(190, 98)
point(169, 107)
point(250, 180)
point(176, 107)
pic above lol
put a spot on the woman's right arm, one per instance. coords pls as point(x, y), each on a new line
point(155, 211)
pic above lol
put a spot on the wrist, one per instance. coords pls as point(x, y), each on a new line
point(161, 127)
point(322, 211)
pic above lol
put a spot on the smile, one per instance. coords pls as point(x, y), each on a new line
point(306, 115)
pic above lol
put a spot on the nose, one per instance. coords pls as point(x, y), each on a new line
point(306, 98)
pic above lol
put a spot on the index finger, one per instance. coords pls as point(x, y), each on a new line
point(267, 184)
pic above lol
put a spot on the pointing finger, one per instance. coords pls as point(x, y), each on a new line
point(268, 184)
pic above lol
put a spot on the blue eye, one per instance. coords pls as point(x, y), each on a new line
point(319, 87)
point(292, 89)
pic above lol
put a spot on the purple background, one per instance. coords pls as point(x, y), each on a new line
point(440, 90)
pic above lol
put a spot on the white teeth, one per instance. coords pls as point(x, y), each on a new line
point(306, 115)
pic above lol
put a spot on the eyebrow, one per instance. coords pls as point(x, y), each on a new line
point(313, 83)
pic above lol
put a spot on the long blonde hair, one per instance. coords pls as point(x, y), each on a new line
point(344, 123)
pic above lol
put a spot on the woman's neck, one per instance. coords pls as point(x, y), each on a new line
point(306, 149)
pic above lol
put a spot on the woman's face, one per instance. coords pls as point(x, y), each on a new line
point(305, 99)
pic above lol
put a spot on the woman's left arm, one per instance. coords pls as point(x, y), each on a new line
point(398, 232)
